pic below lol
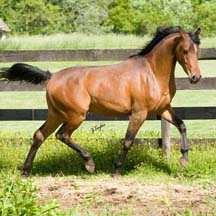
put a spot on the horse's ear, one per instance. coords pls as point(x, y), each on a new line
point(182, 35)
point(197, 32)
point(180, 38)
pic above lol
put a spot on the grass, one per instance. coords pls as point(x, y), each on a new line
point(72, 41)
point(57, 159)
point(18, 197)
point(144, 164)
point(81, 41)
point(150, 129)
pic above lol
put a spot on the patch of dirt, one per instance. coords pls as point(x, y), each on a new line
point(127, 195)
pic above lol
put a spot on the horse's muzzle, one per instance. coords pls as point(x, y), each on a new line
point(194, 79)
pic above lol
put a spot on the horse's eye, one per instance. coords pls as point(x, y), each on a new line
point(185, 52)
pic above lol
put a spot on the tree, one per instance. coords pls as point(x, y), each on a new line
point(206, 17)
point(121, 17)
point(150, 15)
point(36, 17)
point(83, 16)
point(27, 16)
point(181, 12)
point(100, 16)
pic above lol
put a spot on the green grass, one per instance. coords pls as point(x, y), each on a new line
point(143, 164)
point(81, 41)
point(55, 158)
point(18, 197)
point(150, 129)
point(73, 41)
point(208, 42)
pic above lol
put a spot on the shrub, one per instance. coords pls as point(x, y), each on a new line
point(18, 197)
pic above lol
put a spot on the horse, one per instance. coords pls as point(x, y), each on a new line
point(139, 86)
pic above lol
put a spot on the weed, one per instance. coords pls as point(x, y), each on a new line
point(18, 197)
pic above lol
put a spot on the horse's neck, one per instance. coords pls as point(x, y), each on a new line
point(163, 61)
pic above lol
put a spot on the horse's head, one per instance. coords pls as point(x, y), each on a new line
point(187, 53)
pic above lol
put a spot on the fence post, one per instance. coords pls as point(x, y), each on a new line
point(165, 130)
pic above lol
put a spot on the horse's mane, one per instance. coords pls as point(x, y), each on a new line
point(161, 33)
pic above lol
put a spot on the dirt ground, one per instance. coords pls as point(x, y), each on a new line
point(128, 196)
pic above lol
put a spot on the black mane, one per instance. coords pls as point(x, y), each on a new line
point(161, 33)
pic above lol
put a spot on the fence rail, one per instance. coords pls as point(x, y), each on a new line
point(82, 55)
point(102, 55)
point(188, 113)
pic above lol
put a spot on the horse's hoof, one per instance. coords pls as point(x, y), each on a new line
point(184, 163)
point(90, 166)
point(25, 174)
point(116, 174)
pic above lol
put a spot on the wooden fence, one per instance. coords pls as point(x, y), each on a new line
point(101, 55)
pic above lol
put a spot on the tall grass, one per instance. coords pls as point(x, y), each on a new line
point(81, 41)
point(72, 41)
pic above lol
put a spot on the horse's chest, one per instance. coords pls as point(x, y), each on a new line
point(165, 97)
point(161, 102)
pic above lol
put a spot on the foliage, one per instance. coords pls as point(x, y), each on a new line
point(157, 16)
point(102, 16)
point(82, 16)
point(180, 12)
point(18, 197)
point(206, 17)
point(29, 16)
point(121, 17)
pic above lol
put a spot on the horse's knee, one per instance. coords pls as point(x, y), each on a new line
point(127, 144)
point(182, 128)
point(38, 137)
point(61, 136)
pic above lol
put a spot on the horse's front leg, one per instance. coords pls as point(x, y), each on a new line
point(136, 120)
point(170, 116)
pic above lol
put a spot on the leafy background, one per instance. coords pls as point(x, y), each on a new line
point(106, 16)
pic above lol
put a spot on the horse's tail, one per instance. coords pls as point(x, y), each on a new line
point(25, 72)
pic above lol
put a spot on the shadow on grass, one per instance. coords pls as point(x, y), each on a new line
point(66, 162)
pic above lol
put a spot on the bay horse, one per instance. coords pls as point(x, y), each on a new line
point(141, 85)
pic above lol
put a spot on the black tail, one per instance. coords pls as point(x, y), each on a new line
point(24, 72)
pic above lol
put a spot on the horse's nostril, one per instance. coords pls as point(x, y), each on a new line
point(193, 78)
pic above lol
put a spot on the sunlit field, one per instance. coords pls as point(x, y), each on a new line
point(81, 41)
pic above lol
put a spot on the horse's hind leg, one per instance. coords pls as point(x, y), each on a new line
point(136, 121)
point(39, 136)
point(64, 135)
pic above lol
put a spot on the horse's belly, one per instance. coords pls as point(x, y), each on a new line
point(109, 108)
